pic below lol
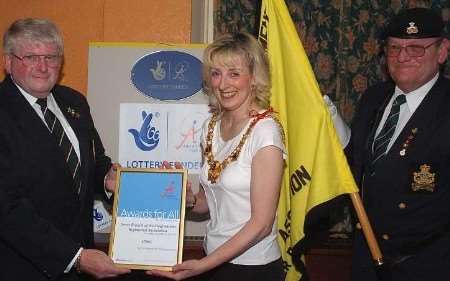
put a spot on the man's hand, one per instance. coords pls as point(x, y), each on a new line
point(99, 265)
point(110, 178)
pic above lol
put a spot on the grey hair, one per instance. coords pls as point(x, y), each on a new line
point(32, 30)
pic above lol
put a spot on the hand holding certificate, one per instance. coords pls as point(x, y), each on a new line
point(148, 218)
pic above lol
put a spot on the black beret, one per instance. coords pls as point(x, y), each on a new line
point(415, 23)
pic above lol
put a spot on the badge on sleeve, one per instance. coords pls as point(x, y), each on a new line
point(423, 179)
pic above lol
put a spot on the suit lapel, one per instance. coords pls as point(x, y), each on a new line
point(27, 118)
point(425, 119)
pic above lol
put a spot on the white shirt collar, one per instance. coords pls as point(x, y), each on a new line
point(414, 98)
point(32, 99)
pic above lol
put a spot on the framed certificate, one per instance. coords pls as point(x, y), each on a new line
point(148, 218)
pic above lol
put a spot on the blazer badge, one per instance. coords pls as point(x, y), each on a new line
point(408, 141)
point(423, 179)
point(75, 114)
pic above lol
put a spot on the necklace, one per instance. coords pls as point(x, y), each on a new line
point(216, 167)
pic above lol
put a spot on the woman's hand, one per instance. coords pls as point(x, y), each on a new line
point(191, 199)
point(181, 271)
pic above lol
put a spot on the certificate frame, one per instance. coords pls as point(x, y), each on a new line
point(147, 228)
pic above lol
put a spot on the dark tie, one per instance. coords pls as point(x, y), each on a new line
point(63, 141)
point(382, 140)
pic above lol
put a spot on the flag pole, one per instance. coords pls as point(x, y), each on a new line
point(367, 229)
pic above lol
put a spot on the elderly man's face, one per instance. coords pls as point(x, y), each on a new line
point(411, 72)
point(37, 79)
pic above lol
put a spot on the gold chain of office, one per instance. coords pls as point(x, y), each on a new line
point(216, 167)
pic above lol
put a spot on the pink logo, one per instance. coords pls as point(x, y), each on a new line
point(168, 191)
point(189, 135)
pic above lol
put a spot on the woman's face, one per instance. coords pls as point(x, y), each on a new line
point(231, 82)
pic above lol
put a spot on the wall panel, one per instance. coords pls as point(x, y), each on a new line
point(84, 21)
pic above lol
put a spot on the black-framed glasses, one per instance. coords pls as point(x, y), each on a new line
point(413, 51)
point(33, 60)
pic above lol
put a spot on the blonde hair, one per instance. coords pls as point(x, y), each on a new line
point(230, 47)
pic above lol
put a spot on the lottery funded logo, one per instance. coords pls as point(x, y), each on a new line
point(147, 137)
point(167, 75)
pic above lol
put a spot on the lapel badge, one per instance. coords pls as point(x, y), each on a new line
point(408, 141)
point(412, 28)
point(423, 179)
point(73, 113)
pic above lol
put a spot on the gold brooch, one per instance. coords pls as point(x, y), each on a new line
point(408, 141)
point(73, 112)
point(423, 179)
point(412, 28)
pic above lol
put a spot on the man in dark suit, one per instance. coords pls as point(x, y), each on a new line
point(400, 154)
point(47, 177)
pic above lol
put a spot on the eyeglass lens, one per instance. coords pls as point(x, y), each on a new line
point(32, 60)
point(411, 50)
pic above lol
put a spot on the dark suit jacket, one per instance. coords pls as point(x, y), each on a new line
point(409, 225)
point(43, 221)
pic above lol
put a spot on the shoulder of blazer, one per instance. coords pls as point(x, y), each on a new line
point(8, 89)
point(377, 94)
point(443, 86)
point(440, 92)
point(69, 95)
point(11, 99)
point(372, 100)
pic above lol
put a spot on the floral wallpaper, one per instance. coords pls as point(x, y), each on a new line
point(340, 38)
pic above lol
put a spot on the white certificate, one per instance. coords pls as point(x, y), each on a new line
point(148, 218)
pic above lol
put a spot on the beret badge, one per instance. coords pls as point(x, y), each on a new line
point(412, 28)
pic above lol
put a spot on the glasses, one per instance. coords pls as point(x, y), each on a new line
point(33, 60)
point(412, 50)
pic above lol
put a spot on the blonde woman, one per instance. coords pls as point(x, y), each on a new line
point(243, 165)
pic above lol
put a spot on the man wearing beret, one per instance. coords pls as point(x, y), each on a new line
point(400, 154)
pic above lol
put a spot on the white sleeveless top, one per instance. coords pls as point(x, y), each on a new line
point(229, 198)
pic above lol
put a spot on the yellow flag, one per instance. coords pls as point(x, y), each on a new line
point(317, 169)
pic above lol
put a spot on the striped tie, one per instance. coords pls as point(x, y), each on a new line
point(384, 137)
point(63, 141)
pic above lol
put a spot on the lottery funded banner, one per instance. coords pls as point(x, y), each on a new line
point(152, 133)
point(142, 73)
point(148, 218)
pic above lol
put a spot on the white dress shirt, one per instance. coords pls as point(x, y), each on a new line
point(413, 100)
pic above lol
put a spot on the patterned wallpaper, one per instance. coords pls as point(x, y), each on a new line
point(340, 38)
